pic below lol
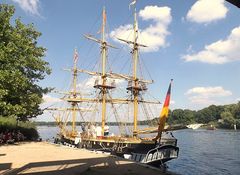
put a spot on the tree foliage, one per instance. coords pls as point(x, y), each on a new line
point(223, 116)
point(228, 119)
point(211, 113)
point(21, 67)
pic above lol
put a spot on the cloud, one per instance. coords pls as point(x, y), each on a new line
point(29, 6)
point(154, 36)
point(217, 91)
point(50, 99)
point(219, 52)
point(206, 11)
point(48, 102)
point(237, 100)
point(201, 100)
point(206, 95)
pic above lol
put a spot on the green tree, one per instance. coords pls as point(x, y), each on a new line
point(228, 119)
point(209, 114)
point(189, 116)
point(176, 117)
point(21, 67)
point(179, 116)
point(236, 110)
point(216, 111)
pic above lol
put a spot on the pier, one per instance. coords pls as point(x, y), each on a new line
point(45, 158)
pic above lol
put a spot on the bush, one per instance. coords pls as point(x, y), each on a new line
point(28, 129)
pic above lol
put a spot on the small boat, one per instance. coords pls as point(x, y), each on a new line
point(194, 126)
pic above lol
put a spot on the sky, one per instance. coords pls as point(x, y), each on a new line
point(194, 42)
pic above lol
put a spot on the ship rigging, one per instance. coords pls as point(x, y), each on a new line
point(154, 150)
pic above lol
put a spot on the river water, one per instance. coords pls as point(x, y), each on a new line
point(202, 152)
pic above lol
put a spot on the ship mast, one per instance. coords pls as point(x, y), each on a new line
point(135, 85)
point(72, 98)
point(74, 93)
point(103, 55)
point(135, 79)
point(103, 87)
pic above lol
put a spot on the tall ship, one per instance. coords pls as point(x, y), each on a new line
point(145, 144)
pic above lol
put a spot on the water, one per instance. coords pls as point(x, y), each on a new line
point(207, 152)
point(201, 151)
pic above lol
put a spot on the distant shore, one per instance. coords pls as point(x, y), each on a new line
point(46, 158)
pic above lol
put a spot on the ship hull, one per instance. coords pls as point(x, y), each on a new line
point(144, 151)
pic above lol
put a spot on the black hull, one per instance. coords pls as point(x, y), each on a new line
point(150, 153)
point(118, 148)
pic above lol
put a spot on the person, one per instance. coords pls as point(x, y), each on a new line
point(83, 127)
point(98, 131)
point(106, 130)
point(14, 135)
point(20, 136)
point(9, 138)
point(92, 131)
point(1, 137)
point(5, 136)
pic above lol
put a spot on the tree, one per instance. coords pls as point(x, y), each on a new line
point(21, 67)
point(228, 119)
point(189, 116)
point(176, 116)
point(209, 114)
point(236, 110)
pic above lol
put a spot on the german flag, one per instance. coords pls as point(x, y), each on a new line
point(164, 113)
point(167, 102)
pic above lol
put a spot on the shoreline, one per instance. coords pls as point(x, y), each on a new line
point(46, 158)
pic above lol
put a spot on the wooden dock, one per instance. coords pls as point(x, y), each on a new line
point(44, 158)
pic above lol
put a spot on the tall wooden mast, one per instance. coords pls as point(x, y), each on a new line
point(135, 62)
point(103, 55)
point(74, 92)
point(135, 84)
point(103, 87)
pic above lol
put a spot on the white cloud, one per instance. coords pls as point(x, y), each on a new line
point(217, 91)
point(48, 102)
point(50, 99)
point(206, 95)
point(206, 11)
point(88, 82)
point(219, 52)
point(172, 102)
point(154, 36)
point(237, 100)
point(158, 14)
point(201, 100)
point(29, 6)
